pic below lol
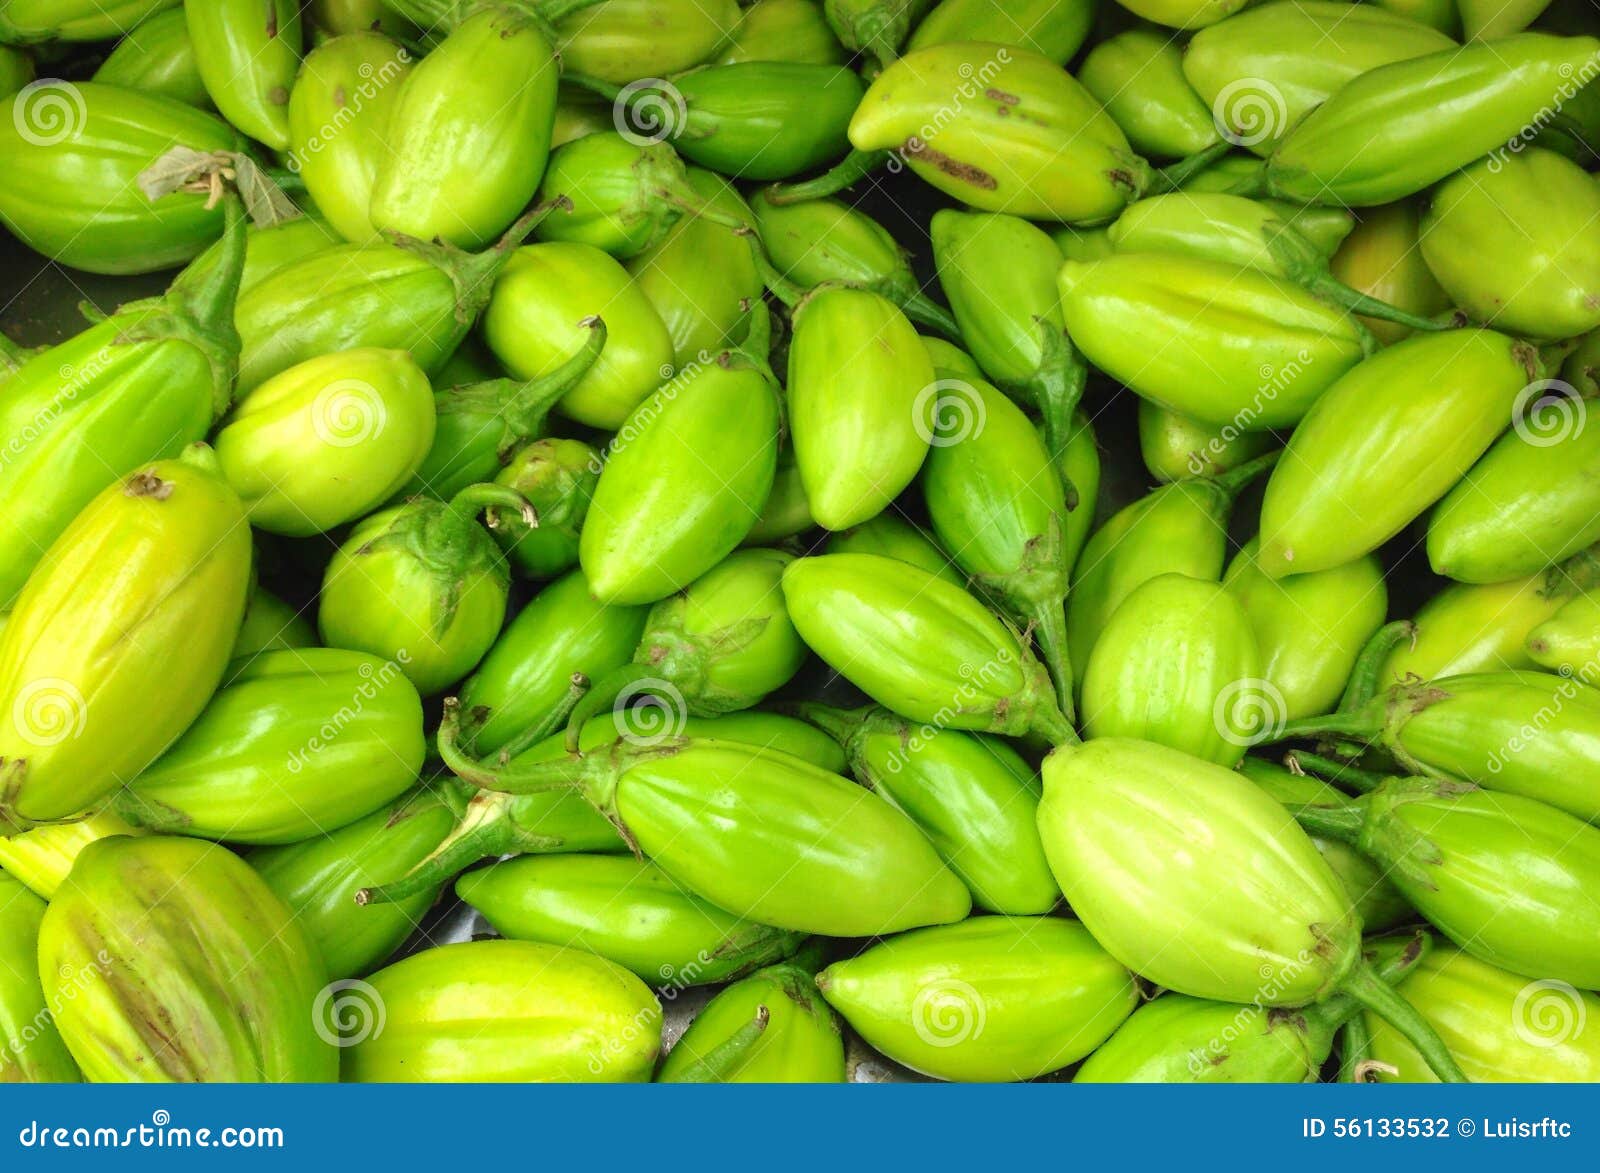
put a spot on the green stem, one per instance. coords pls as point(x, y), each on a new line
point(547, 725)
point(1366, 676)
point(528, 407)
point(1056, 388)
point(602, 695)
point(1355, 1050)
point(1052, 724)
point(1330, 289)
point(924, 311)
point(777, 284)
point(562, 773)
point(839, 724)
point(1049, 619)
point(474, 499)
point(1235, 480)
point(1336, 771)
point(1362, 984)
point(1341, 823)
point(855, 166)
point(481, 833)
point(1174, 175)
point(1356, 725)
point(203, 302)
point(717, 1064)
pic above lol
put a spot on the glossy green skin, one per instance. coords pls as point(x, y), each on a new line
point(1137, 76)
point(469, 132)
point(338, 111)
point(891, 536)
point(560, 1015)
point(318, 879)
point(1380, 258)
point(661, 515)
point(340, 17)
point(1178, 1039)
point(626, 910)
point(787, 512)
point(801, 1043)
point(1385, 442)
point(1582, 367)
point(621, 40)
point(248, 53)
point(1257, 916)
point(1174, 447)
point(767, 119)
point(1184, 14)
point(919, 646)
point(784, 30)
point(1444, 15)
point(626, 192)
point(1055, 28)
point(271, 625)
point(92, 692)
point(1475, 628)
point(327, 440)
point(1493, 1027)
point(788, 736)
point(1510, 239)
point(1026, 138)
point(828, 240)
point(42, 858)
point(276, 758)
point(1309, 627)
point(1439, 113)
point(1210, 225)
point(16, 70)
point(266, 250)
point(993, 998)
point(528, 671)
point(24, 22)
point(1567, 639)
point(857, 372)
point(558, 478)
point(169, 961)
point(157, 56)
point(31, 1050)
point(1284, 59)
point(533, 326)
point(1178, 665)
point(1205, 339)
point(743, 827)
point(701, 277)
point(69, 188)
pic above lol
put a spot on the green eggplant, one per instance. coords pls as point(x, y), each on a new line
point(972, 796)
point(628, 911)
point(468, 131)
point(271, 625)
point(1080, 474)
point(1439, 112)
point(265, 763)
point(327, 440)
point(993, 998)
point(74, 154)
point(1256, 917)
point(921, 647)
point(1178, 664)
point(739, 827)
point(557, 478)
point(1179, 528)
point(1137, 76)
point(560, 1015)
point(771, 1027)
point(421, 585)
point(859, 382)
point(995, 499)
point(875, 27)
point(1527, 734)
point(787, 513)
point(337, 18)
point(90, 691)
point(1081, 244)
point(17, 70)
point(527, 675)
point(1484, 21)
point(1309, 628)
point(1174, 447)
point(1206, 339)
point(579, 113)
point(248, 52)
point(1443, 15)
point(268, 248)
point(167, 960)
point(156, 56)
point(1581, 368)
point(662, 515)
point(1488, 627)
point(1386, 441)
point(339, 108)
point(720, 645)
point(31, 1050)
point(136, 387)
point(1501, 1027)
point(893, 537)
point(535, 322)
point(1511, 239)
point(622, 40)
point(1508, 879)
point(43, 857)
point(1568, 639)
point(482, 424)
point(1380, 258)
point(1263, 69)
point(949, 360)
point(783, 30)
point(27, 22)
point(1055, 28)
point(1184, 14)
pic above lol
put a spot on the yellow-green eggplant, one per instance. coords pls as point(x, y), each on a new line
point(893, 537)
point(1256, 917)
point(1439, 113)
point(167, 960)
point(859, 382)
point(1386, 441)
point(787, 513)
point(628, 911)
point(1380, 258)
point(43, 857)
point(26, 22)
point(1484, 20)
point(535, 322)
point(949, 360)
point(623, 40)
point(1569, 639)
point(557, 478)
point(1581, 368)
point(1137, 76)
point(1183, 14)
point(560, 1015)
point(784, 30)
point(973, 796)
point(337, 18)
point(993, 998)
point(579, 113)
point(327, 440)
point(339, 110)
point(294, 743)
point(90, 690)
point(771, 1027)
point(156, 56)
point(1174, 447)
point(31, 1050)
point(1178, 665)
point(1444, 15)
point(17, 69)
point(248, 52)
point(268, 248)
point(271, 625)
point(1055, 28)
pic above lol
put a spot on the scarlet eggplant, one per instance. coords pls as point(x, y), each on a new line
point(248, 53)
point(784, 30)
point(31, 1050)
point(771, 1027)
point(26, 22)
point(1137, 76)
point(1055, 28)
point(622, 40)
point(1380, 258)
point(893, 537)
point(156, 56)
point(1175, 447)
point(557, 478)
